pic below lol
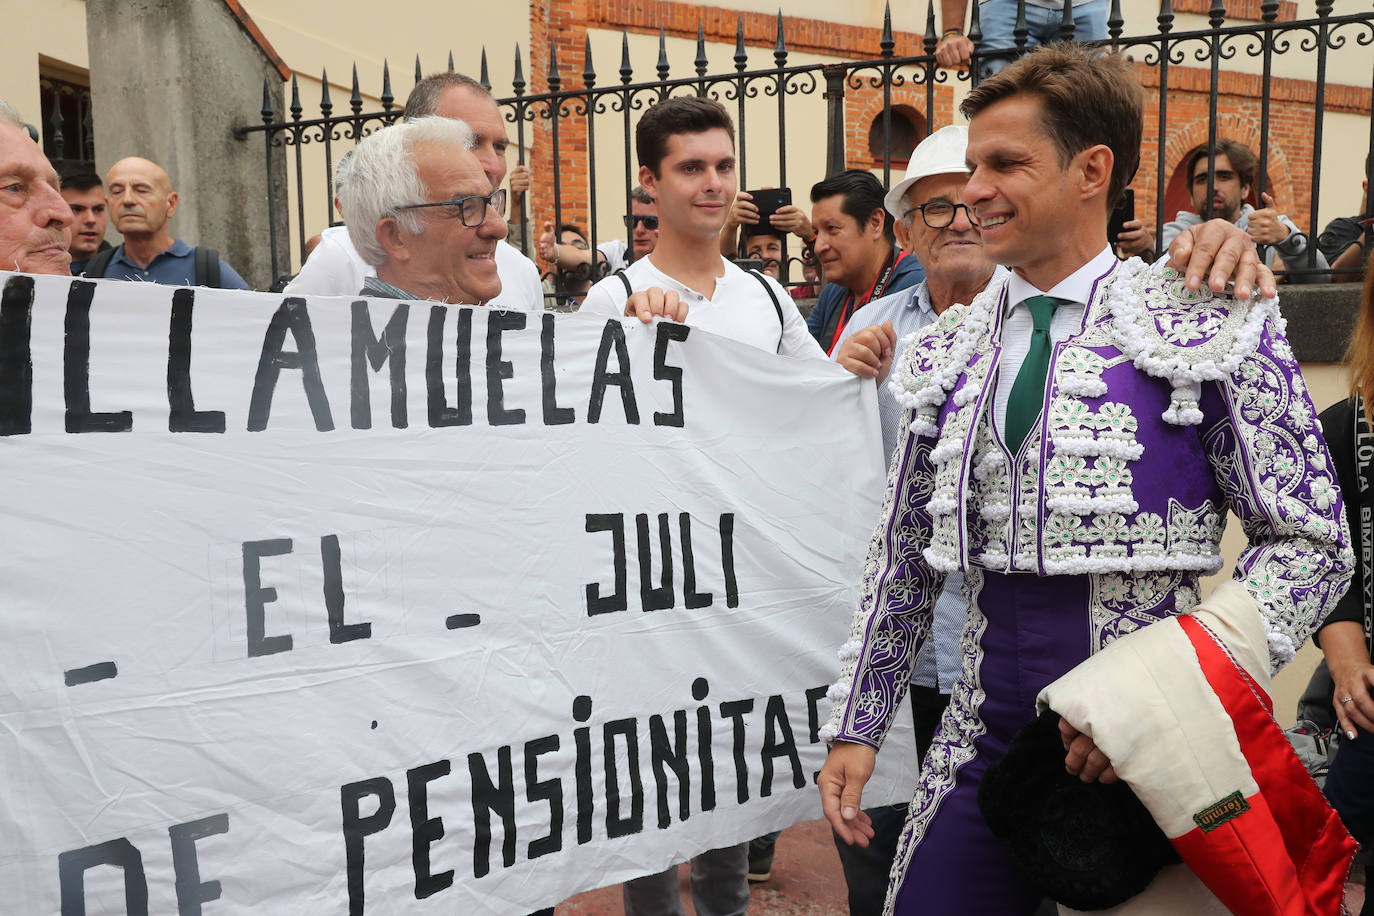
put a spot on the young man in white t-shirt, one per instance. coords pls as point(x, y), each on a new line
point(686, 150)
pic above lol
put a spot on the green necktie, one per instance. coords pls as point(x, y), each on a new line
point(1028, 391)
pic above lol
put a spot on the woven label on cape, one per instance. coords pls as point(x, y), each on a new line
point(1213, 816)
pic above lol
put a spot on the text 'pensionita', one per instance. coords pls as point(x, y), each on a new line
point(289, 349)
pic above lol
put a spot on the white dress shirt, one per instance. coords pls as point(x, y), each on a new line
point(1018, 325)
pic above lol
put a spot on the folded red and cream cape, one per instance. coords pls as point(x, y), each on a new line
point(1182, 709)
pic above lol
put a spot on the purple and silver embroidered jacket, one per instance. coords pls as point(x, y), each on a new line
point(1167, 408)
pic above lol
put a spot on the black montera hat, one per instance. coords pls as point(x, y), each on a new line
point(1089, 846)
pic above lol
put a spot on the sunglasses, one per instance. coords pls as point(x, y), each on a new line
point(650, 222)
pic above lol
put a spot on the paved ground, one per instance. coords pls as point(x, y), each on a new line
point(806, 881)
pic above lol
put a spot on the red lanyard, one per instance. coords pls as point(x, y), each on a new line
point(874, 292)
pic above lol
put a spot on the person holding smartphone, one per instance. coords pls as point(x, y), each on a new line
point(764, 214)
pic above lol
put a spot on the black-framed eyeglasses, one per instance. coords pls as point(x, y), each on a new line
point(939, 214)
point(650, 222)
point(471, 210)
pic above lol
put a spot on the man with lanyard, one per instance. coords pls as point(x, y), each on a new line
point(854, 246)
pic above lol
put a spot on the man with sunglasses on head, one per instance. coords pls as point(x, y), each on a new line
point(612, 255)
point(422, 212)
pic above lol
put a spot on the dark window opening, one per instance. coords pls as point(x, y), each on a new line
point(908, 130)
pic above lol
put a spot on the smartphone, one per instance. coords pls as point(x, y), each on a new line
point(770, 201)
point(1123, 214)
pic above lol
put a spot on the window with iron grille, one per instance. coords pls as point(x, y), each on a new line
point(67, 126)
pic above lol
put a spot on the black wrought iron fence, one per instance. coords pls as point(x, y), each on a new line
point(1287, 65)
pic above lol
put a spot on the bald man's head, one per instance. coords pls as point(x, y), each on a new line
point(141, 199)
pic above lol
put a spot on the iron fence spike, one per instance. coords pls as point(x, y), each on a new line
point(326, 103)
point(518, 80)
point(388, 99)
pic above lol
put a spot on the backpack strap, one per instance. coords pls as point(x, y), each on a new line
point(777, 306)
point(625, 280)
point(207, 267)
point(98, 264)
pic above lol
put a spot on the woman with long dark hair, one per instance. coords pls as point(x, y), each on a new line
point(1345, 637)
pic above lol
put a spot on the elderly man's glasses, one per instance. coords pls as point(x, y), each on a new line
point(471, 210)
point(938, 214)
point(650, 222)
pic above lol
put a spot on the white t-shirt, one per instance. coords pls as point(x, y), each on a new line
point(335, 268)
point(617, 254)
point(739, 308)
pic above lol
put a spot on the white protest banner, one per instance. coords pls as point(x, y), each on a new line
point(327, 606)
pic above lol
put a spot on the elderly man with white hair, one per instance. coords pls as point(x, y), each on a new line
point(33, 216)
point(421, 211)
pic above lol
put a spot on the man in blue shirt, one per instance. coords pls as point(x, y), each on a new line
point(141, 201)
point(855, 250)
